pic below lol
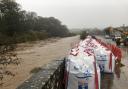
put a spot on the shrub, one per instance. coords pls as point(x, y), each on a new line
point(83, 35)
point(36, 70)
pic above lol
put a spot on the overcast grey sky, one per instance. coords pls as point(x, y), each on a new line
point(81, 13)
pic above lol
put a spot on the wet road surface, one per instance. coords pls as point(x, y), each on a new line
point(118, 80)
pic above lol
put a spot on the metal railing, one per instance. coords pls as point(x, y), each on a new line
point(50, 77)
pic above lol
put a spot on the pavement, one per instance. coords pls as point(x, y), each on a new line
point(118, 80)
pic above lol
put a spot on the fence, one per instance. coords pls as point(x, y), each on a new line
point(50, 77)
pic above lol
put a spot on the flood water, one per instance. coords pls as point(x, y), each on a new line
point(118, 80)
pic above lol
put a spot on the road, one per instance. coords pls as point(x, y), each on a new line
point(119, 80)
point(35, 55)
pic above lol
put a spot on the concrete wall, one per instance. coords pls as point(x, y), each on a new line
point(50, 77)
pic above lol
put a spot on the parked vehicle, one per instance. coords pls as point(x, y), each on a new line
point(113, 37)
point(107, 36)
point(123, 38)
point(117, 37)
point(118, 41)
point(125, 41)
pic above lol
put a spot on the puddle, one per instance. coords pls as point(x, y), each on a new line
point(107, 81)
point(118, 80)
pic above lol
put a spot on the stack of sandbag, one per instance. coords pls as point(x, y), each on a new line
point(103, 55)
point(105, 60)
point(86, 61)
point(82, 69)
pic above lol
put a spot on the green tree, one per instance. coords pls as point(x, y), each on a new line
point(108, 30)
point(83, 35)
point(10, 17)
point(20, 24)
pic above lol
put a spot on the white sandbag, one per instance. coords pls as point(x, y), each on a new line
point(83, 72)
point(83, 81)
point(105, 60)
point(89, 43)
point(104, 57)
point(83, 68)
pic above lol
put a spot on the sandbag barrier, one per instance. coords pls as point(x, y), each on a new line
point(50, 77)
point(86, 60)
